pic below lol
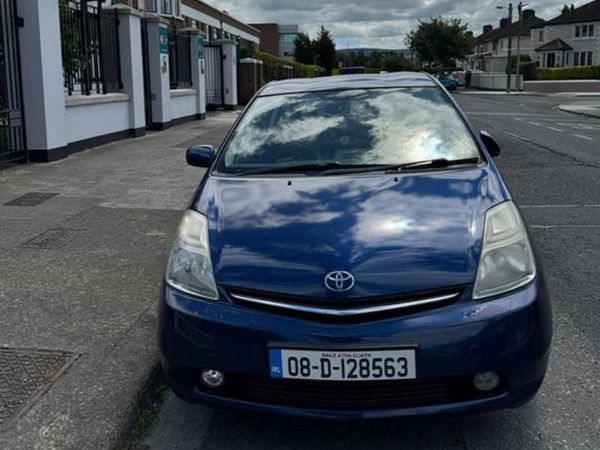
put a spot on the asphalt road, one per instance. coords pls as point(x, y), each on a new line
point(551, 163)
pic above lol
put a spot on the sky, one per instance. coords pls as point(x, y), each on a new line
point(375, 23)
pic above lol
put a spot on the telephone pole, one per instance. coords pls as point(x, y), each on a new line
point(508, 68)
point(520, 9)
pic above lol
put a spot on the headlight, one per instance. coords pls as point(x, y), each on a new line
point(189, 268)
point(506, 261)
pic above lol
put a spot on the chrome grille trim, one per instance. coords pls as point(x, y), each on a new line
point(344, 312)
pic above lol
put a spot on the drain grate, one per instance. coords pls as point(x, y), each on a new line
point(32, 199)
point(55, 237)
point(24, 376)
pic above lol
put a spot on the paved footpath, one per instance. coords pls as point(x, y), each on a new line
point(83, 243)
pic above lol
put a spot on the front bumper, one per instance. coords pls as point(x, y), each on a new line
point(510, 334)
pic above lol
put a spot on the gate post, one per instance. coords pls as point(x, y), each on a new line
point(132, 67)
point(158, 68)
point(230, 94)
point(42, 74)
point(198, 64)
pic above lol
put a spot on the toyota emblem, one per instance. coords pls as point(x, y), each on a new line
point(339, 281)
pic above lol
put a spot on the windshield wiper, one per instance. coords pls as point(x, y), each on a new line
point(390, 168)
point(302, 168)
point(335, 167)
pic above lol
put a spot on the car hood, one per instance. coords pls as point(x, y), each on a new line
point(395, 234)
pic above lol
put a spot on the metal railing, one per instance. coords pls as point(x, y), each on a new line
point(180, 63)
point(90, 48)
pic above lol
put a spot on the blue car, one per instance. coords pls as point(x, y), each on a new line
point(448, 81)
point(352, 252)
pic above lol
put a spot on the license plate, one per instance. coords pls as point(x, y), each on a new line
point(342, 365)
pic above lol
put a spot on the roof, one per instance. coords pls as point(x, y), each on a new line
point(590, 12)
point(556, 44)
point(211, 11)
point(499, 33)
point(342, 82)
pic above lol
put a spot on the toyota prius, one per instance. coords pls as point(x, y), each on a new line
point(353, 252)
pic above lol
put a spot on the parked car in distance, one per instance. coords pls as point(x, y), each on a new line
point(448, 81)
point(353, 252)
point(353, 70)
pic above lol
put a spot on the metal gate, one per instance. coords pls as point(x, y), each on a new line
point(215, 96)
point(12, 127)
point(146, 68)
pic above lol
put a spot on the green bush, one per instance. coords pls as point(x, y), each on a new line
point(529, 71)
point(513, 62)
point(275, 68)
point(569, 73)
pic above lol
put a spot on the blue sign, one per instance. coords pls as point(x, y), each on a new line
point(164, 40)
point(200, 47)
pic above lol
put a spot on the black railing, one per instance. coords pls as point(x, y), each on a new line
point(180, 63)
point(90, 48)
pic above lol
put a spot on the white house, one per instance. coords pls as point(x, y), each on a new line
point(570, 39)
point(491, 49)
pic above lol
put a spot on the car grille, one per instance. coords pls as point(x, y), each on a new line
point(345, 309)
point(349, 396)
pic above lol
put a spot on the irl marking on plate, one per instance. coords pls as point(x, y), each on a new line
point(275, 363)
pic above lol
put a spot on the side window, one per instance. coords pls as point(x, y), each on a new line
point(576, 31)
point(591, 30)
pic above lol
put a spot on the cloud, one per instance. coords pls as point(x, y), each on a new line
point(375, 23)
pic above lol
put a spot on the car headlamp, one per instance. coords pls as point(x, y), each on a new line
point(189, 268)
point(506, 261)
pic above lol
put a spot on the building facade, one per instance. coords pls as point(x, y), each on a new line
point(278, 40)
point(570, 39)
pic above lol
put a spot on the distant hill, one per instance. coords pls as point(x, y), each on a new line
point(368, 51)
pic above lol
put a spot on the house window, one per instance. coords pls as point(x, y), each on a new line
point(583, 58)
point(584, 31)
point(151, 6)
point(540, 35)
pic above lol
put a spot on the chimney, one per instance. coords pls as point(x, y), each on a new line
point(528, 14)
point(503, 23)
point(487, 28)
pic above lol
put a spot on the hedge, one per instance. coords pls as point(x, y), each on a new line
point(275, 68)
point(569, 73)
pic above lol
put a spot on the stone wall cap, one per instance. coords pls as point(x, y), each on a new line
point(124, 10)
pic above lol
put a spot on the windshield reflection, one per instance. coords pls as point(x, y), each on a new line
point(362, 127)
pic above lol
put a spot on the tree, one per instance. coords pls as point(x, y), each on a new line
point(440, 41)
point(324, 50)
point(303, 49)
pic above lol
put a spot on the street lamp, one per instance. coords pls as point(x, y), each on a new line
point(508, 68)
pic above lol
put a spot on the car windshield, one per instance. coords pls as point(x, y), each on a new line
point(361, 127)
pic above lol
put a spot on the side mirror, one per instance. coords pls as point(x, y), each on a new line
point(490, 144)
point(200, 155)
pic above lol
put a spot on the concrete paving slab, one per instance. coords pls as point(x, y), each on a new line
point(80, 273)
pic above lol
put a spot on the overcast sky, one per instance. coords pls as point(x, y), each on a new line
point(374, 23)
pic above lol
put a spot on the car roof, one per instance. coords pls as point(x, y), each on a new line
point(344, 82)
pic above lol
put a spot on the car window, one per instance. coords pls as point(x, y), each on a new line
point(350, 127)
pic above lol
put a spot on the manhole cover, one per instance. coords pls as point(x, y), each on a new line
point(24, 376)
point(55, 237)
point(31, 199)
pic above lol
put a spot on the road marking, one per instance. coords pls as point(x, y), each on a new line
point(515, 135)
point(520, 119)
point(558, 206)
point(555, 129)
point(581, 136)
point(535, 123)
point(547, 227)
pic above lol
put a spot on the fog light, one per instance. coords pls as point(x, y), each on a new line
point(213, 378)
point(486, 381)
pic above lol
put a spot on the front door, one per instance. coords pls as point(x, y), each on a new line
point(550, 60)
